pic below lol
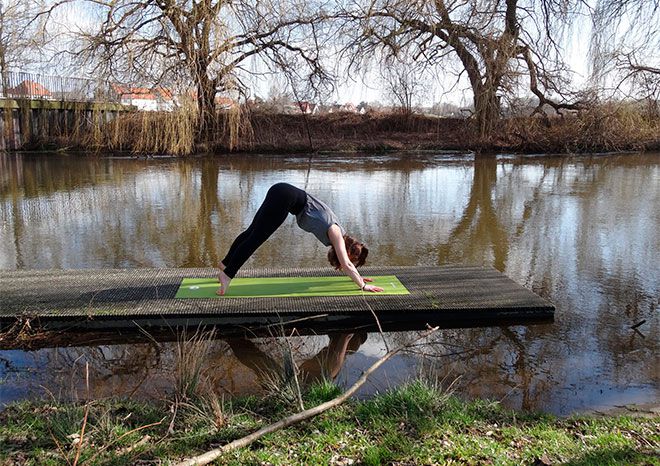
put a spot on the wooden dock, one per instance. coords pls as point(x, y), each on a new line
point(87, 300)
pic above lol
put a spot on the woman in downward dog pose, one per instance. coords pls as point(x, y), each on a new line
point(312, 215)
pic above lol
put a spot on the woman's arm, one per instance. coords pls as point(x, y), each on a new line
point(337, 240)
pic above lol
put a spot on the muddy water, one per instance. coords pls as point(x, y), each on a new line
point(580, 231)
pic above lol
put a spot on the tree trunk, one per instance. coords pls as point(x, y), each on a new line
point(486, 101)
point(486, 109)
point(206, 108)
point(3, 69)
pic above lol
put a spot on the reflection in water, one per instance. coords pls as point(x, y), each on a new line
point(232, 365)
point(479, 230)
point(324, 365)
point(582, 232)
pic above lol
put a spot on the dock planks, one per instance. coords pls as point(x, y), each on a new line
point(110, 299)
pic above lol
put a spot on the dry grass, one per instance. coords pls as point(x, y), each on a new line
point(195, 401)
point(191, 353)
point(606, 128)
point(282, 381)
point(614, 126)
point(25, 334)
point(152, 132)
point(176, 132)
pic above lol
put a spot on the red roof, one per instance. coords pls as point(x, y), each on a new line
point(224, 101)
point(306, 106)
point(144, 93)
point(29, 88)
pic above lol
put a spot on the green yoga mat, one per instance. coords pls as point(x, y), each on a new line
point(286, 287)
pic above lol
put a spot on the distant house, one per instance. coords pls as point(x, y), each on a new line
point(348, 107)
point(145, 99)
point(363, 108)
point(296, 108)
point(224, 103)
point(28, 89)
point(221, 102)
point(308, 108)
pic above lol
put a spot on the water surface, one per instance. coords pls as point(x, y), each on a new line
point(580, 231)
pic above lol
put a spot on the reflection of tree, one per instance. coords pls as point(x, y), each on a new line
point(479, 228)
point(484, 235)
point(6, 174)
point(575, 240)
point(108, 369)
point(11, 171)
point(17, 229)
point(42, 176)
point(521, 369)
point(201, 243)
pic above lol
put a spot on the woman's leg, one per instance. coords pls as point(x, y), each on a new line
point(239, 239)
point(281, 200)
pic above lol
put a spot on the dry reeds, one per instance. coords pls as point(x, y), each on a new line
point(604, 128)
point(152, 132)
point(192, 391)
point(190, 356)
point(613, 126)
point(282, 381)
point(234, 129)
point(176, 132)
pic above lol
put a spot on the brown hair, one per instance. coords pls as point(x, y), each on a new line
point(357, 253)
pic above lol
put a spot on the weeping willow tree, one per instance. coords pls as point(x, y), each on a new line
point(21, 36)
point(502, 46)
point(624, 48)
point(211, 44)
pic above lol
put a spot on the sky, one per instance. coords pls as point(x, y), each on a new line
point(441, 86)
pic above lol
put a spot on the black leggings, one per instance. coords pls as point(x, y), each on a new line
point(282, 199)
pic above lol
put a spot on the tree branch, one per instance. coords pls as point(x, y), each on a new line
point(211, 455)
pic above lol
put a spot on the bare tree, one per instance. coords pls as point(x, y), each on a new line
point(210, 43)
point(21, 35)
point(402, 84)
point(624, 47)
point(278, 98)
point(497, 42)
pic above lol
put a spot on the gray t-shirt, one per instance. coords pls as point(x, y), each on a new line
point(317, 218)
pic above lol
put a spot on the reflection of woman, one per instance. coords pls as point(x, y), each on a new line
point(312, 215)
point(325, 364)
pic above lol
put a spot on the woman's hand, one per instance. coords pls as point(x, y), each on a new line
point(371, 288)
point(346, 266)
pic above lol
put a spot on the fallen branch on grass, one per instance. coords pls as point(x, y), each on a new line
point(211, 455)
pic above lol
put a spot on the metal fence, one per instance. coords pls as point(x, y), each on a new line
point(19, 85)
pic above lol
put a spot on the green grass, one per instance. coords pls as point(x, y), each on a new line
point(414, 424)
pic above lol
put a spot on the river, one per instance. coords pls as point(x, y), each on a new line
point(581, 231)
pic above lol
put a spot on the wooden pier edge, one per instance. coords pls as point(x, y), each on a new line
point(129, 300)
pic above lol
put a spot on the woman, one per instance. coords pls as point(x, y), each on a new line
point(312, 215)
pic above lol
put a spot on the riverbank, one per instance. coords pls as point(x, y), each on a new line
point(599, 130)
point(414, 424)
point(607, 128)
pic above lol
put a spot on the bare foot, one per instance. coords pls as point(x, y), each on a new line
point(224, 283)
